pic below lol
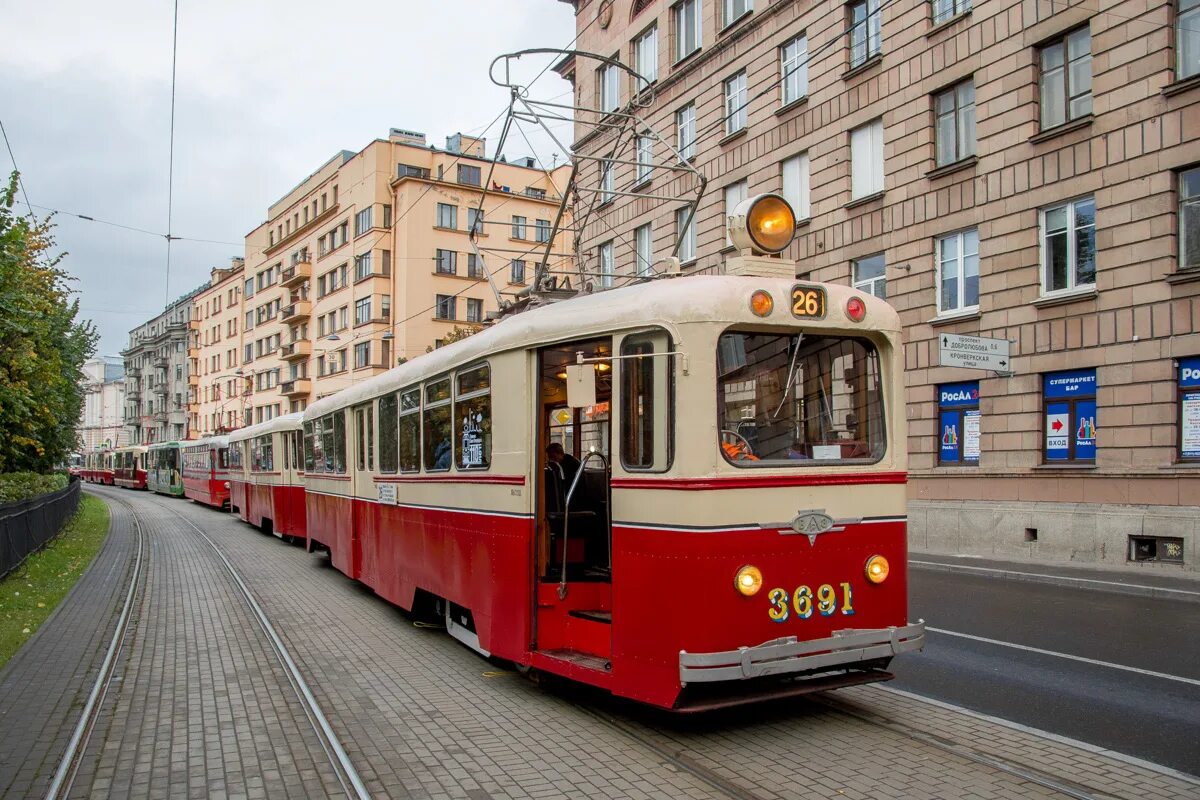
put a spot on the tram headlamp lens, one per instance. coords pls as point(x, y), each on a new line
point(877, 569)
point(748, 580)
point(761, 303)
point(856, 309)
point(764, 224)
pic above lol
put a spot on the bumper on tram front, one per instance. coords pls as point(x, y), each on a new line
point(788, 655)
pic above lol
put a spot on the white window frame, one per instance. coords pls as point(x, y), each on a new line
point(734, 193)
point(868, 285)
point(866, 148)
point(688, 20)
point(793, 70)
point(643, 238)
point(645, 56)
point(608, 181)
point(944, 10)
point(735, 103)
point(605, 266)
point(794, 175)
point(1070, 90)
point(1073, 285)
point(961, 239)
point(960, 115)
point(685, 131)
point(451, 216)
point(686, 235)
point(731, 12)
point(1187, 39)
point(1189, 246)
point(866, 35)
point(609, 87)
point(645, 158)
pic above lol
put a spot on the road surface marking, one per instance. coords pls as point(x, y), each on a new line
point(1029, 649)
point(1054, 577)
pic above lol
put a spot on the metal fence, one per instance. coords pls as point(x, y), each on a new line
point(26, 526)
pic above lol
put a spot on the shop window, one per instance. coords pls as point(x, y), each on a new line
point(1069, 399)
point(1189, 409)
point(958, 424)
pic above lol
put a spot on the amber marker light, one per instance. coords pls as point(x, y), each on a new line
point(856, 309)
point(761, 303)
point(877, 569)
point(763, 224)
point(748, 580)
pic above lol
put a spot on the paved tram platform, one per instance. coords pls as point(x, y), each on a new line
point(201, 704)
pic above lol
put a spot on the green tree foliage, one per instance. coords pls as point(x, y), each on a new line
point(456, 335)
point(42, 346)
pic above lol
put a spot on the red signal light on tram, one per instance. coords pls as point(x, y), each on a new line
point(856, 309)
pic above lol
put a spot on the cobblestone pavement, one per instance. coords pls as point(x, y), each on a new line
point(421, 716)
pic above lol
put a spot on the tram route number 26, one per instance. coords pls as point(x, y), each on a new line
point(804, 602)
point(808, 302)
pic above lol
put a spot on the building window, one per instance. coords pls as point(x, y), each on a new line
point(362, 311)
point(605, 252)
point(362, 266)
point(608, 86)
point(608, 182)
point(1187, 24)
point(958, 271)
point(865, 35)
point(795, 184)
point(645, 158)
point(948, 9)
point(447, 262)
point(734, 194)
point(542, 231)
point(474, 266)
point(518, 227)
point(645, 56)
point(447, 216)
point(685, 225)
point(687, 28)
point(517, 272)
point(362, 354)
point(474, 221)
point(1066, 79)
point(248, 292)
point(362, 221)
point(685, 131)
point(1069, 246)
point(870, 275)
point(866, 160)
point(644, 244)
point(445, 308)
point(958, 424)
point(793, 70)
point(735, 9)
point(735, 103)
point(1189, 215)
point(1070, 402)
point(469, 176)
point(474, 310)
point(1189, 409)
point(955, 110)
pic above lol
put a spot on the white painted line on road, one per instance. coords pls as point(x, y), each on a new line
point(1039, 650)
point(1184, 592)
point(1054, 737)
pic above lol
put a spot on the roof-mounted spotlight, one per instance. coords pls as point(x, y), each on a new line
point(763, 224)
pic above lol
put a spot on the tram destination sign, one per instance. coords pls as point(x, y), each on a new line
point(974, 352)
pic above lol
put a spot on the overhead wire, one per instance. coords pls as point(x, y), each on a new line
point(171, 156)
point(16, 169)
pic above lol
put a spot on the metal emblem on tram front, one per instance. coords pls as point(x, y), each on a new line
point(812, 522)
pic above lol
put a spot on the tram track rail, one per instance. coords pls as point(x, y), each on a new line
point(343, 767)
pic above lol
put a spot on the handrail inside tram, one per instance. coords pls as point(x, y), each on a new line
point(562, 583)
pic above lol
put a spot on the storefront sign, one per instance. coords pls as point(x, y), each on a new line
point(958, 423)
point(1070, 403)
point(1189, 408)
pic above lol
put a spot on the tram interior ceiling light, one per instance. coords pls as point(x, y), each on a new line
point(764, 224)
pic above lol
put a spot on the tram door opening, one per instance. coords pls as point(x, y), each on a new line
point(574, 552)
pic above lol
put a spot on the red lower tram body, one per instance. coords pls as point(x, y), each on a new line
point(211, 488)
point(276, 508)
point(131, 478)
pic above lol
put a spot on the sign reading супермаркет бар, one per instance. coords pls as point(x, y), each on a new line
point(974, 352)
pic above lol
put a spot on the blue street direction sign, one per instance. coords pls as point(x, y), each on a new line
point(974, 352)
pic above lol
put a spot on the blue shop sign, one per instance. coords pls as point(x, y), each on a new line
point(954, 395)
point(1076, 383)
point(1189, 373)
point(1189, 408)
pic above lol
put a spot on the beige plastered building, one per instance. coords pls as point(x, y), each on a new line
point(217, 396)
point(1009, 169)
point(365, 262)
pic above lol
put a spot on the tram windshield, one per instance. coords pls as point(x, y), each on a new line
point(796, 400)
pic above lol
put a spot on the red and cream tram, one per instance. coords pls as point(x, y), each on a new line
point(266, 476)
point(129, 466)
point(98, 467)
point(687, 492)
point(206, 471)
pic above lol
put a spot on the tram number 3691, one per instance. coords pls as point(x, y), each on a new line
point(804, 602)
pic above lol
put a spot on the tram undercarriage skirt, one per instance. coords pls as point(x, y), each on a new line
point(844, 649)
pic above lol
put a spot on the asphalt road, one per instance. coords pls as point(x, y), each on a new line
point(1128, 710)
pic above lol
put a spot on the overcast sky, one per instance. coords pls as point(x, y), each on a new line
point(266, 92)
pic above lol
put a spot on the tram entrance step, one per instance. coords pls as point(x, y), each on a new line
point(580, 659)
point(597, 615)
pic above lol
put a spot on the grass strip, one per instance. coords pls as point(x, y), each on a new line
point(28, 595)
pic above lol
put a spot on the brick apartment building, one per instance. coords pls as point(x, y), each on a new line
point(1013, 169)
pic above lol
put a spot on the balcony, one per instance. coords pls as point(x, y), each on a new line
point(294, 351)
point(297, 273)
point(193, 352)
point(162, 362)
point(133, 393)
point(193, 379)
point(298, 311)
point(300, 387)
point(161, 389)
point(159, 416)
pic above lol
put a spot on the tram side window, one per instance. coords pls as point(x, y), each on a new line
point(339, 442)
point(797, 400)
point(437, 426)
point(364, 432)
point(410, 431)
point(326, 464)
point(473, 418)
point(314, 447)
point(647, 397)
point(297, 446)
point(235, 456)
point(264, 455)
point(223, 458)
point(388, 421)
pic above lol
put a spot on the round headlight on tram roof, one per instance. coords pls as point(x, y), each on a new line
point(761, 303)
point(748, 580)
point(856, 309)
point(877, 569)
point(764, 223)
